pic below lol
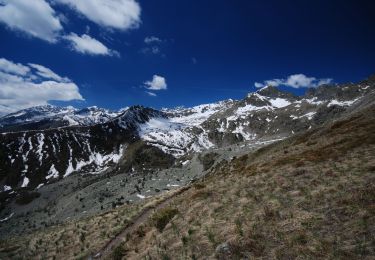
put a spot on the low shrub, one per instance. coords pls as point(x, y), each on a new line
point(162, 217)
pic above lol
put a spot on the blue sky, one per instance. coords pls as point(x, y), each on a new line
point(169, 53)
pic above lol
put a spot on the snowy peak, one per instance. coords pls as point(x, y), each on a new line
point(47, 117)
point(270, 98)
point(136, 115)
point(92, 115)
point(36, 113)
point(196, 115)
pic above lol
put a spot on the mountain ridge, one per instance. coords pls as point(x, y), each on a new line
point(267, 113)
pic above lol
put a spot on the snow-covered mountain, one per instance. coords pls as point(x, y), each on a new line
point(48, 116)
point(67, 140)
point(268, 112)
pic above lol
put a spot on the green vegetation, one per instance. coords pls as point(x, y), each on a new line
point(163, 216)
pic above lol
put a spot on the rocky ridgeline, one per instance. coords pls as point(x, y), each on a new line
point(43, 144)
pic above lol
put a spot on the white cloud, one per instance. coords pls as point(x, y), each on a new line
point(87, 45)
point(13, 68)
point(295, 81)
point(22, 88)
point(152, 94)
point(117, 14)
point(47, 73)
point(274, 82)
point(157, 83)
point(38, 19)
point(35, 18)
point(153, 45)
point(152, 39)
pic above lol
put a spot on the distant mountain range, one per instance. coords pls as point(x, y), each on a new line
point(43, 144)
point(48, 116)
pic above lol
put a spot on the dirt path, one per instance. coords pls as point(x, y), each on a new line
point(136, 222)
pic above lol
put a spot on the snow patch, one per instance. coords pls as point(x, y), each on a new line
point(341, 103)
point(141, 196)
point(40, 147)
point(25, 182)
point(100, 160)
point(279, 102)
point(7, 188)
point(7, 218)
point(173, 185)
point(185, 162)
point(52, 173)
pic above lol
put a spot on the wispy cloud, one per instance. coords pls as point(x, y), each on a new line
point(119, 14)
point(10, 67)
point(153, 45)
point(151, 50)
point(295, 81)
point(25, 86)
point(152, 94)
point(86, 45)
point(152, 39)
point(47, 73)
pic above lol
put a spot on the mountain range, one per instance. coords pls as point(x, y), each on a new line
point(46, 143)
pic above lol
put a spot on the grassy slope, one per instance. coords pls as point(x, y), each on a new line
point(76, 239)
point(310, 196)
point(71, 240)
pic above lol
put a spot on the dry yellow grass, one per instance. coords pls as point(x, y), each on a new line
point(75, 239)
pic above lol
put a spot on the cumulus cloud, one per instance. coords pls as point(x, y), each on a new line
point(38, 19)
point(295, 81)
point(86, 45)
point(30, 85)
point(35, 18)
point(157, 83)
point(116, 14)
